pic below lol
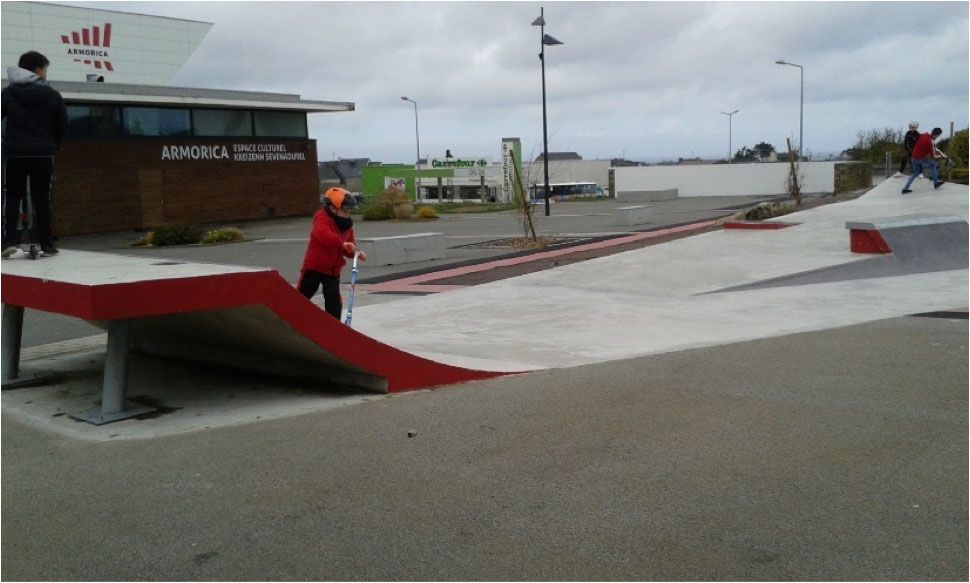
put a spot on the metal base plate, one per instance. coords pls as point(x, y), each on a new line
point(96, 417)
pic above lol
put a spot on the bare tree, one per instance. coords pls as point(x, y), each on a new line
point(794, 176)
point(525, 206)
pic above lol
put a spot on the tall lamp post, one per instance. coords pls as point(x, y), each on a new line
point(544, 41)
point(801, 107)
point(417, 159)
point(730, 148)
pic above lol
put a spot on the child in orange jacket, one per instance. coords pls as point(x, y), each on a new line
point(332, 241)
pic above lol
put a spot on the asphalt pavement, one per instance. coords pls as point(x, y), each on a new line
point(834, 455)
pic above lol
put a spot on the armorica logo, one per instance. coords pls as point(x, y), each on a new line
point(90, 46)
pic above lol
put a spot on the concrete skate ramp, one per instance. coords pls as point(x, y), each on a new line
point(657, 299)
point(243, 317)
point(916, 244)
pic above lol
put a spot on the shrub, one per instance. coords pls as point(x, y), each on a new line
point(382, 206)
point(768, 210)
point(956, 148)
point(427, 212)
point(402, 210)
point(175, 235)
point(223, 235)
point(378, 211)
point(145, 241)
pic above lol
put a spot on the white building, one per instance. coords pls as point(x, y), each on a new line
point(121, 47)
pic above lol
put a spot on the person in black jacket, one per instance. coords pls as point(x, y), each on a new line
point(908, 142)
point(36, 122)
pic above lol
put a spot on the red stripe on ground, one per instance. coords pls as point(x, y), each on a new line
point(457, 271)
point(757, 225)
point(408, 288)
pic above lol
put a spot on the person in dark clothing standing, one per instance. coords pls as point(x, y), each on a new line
point(331, 242)
point(909, 141)
point(36, 122)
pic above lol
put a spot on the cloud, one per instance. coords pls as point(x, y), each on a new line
point(647, 78)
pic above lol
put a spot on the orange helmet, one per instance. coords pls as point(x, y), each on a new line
point(339, 198)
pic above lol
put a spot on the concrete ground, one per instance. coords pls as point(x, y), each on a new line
point(814, 441)
point(834, 455)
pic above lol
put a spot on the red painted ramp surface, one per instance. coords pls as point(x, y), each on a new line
point(248, 318)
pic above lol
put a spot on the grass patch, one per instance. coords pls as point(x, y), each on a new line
point(465, 207)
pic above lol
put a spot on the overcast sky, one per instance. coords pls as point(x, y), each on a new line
point(644, 80)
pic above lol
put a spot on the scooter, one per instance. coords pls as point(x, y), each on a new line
point(353, 288)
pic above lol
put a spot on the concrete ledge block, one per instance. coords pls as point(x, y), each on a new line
point(903, 222)
point(631, 215)
point(403, 248)
point(647, 195)
point(909, 235)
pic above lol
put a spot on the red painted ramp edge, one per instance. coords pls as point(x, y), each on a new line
point(404, 371)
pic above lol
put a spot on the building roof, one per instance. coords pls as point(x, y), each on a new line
point(154, 95)
point(553, 156)
point(328, 171)
point(342, 169)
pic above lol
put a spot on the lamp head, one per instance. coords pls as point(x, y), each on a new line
point(549, 41)
point(539, 21)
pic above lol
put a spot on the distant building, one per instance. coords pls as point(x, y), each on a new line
point(621, 162)
point(343, 172)
point(696, 162)
point(559, 156)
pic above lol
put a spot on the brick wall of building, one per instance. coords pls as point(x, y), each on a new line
point(118, 185)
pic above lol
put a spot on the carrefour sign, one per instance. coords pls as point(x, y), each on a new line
point(460, 163)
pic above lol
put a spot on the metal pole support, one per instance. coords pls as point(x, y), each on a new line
point(114, 407)
point(13, 327)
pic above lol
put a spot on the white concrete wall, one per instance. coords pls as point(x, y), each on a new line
point(597, 171)
point(726, 179)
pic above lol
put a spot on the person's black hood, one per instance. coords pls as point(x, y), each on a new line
point(34, 113)
point(28, 90)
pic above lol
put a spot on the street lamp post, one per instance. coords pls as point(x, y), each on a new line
point(730, 148)
point(417, 159)
point(801, 107)
point(544, 41)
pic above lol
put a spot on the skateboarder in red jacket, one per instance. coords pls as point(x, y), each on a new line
point(332, 241)
point(924, 153)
